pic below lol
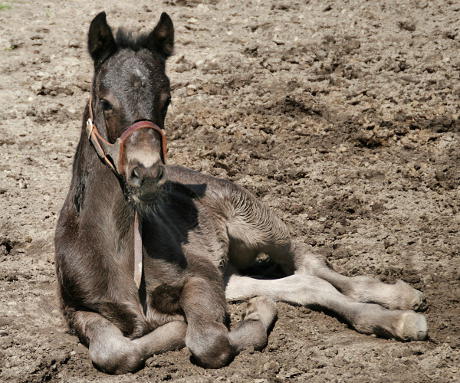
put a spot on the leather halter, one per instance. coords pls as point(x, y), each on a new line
point(114, 156)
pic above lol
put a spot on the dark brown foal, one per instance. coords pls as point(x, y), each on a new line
point(147, 254)
point(132, 280)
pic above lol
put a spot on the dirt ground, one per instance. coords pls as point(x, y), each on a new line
point(342, 115)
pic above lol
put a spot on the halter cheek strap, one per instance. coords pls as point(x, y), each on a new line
point(114, 157)
point(101, 145)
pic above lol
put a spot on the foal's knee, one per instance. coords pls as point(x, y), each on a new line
point(116, 355)
point(211, 348)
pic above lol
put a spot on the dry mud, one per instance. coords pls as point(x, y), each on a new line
point(342, 115)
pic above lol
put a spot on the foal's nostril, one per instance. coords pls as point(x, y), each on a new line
point(159, 172)
point(140, 174)
point(136, 176)
point(136, 172)
point(155, 172)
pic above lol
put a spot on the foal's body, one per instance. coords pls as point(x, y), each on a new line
point(198, 233)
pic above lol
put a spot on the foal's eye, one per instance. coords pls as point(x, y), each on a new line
point(106, 106)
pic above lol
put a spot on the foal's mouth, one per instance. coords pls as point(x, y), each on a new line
point(147, 193)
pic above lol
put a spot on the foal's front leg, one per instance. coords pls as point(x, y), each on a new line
point(113, 353)
point(209, 341)
point(204, 305)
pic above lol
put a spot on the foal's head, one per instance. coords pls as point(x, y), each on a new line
point(130, 85)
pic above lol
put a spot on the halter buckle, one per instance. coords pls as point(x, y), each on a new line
point(89, 127)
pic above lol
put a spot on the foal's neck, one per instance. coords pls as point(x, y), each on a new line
point(102, 191)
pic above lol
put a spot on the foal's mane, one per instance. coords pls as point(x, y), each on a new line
point(130, 40)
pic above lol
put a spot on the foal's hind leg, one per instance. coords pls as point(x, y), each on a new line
point(398, 296)
point(113, 353)
point(313, 291)
point(253, 228)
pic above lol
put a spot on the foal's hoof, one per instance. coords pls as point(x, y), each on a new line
point(115, 356)
point(410, 298)
point(411, 326)
point(219, 354)
point(263, 309)
point(211, 349)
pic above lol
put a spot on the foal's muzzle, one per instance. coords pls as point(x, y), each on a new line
point(137, 174)
point(143, 164)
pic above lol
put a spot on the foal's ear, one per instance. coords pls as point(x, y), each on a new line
point(161, 39)
point(101, 43)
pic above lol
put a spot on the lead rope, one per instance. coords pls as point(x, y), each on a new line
point(138, 256)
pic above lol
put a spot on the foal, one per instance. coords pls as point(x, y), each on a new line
point(147, 254)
